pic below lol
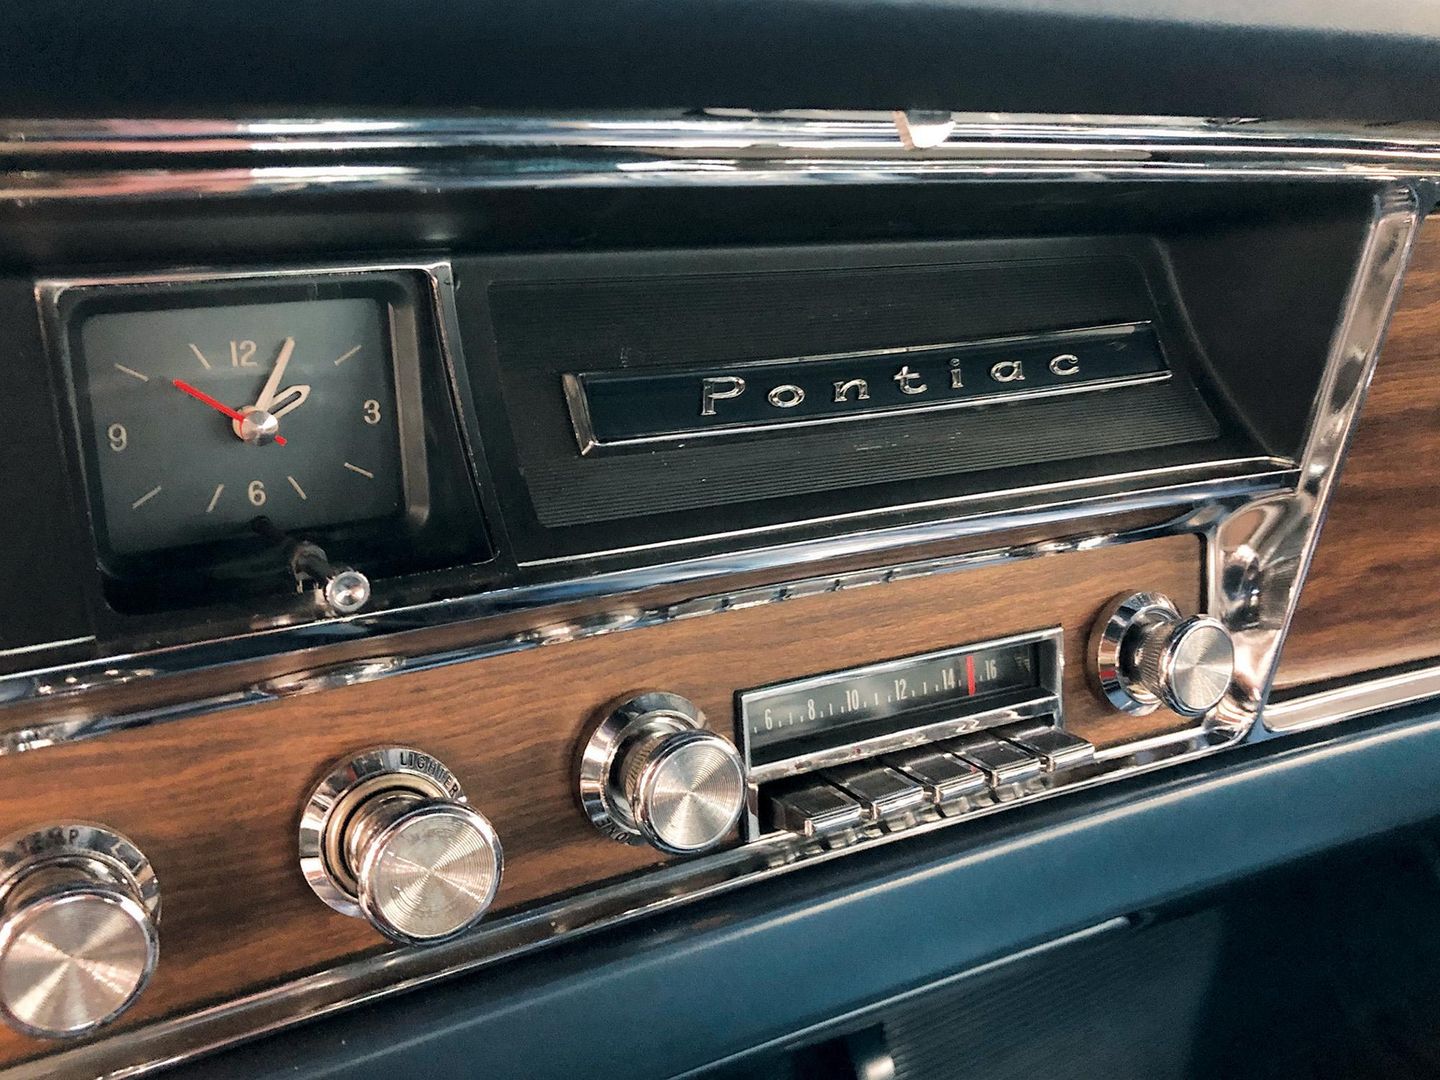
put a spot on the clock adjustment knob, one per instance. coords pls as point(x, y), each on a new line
point(1147, 654)
point(651, 774)
point(78, 941)
point(388, 836)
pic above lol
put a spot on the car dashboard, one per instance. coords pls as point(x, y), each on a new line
point(492, 574)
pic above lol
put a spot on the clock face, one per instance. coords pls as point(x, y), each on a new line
point(199, 420)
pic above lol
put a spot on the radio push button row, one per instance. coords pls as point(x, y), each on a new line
point(388, 836)
point(886, 795)
point(815, 811)
point(651, 774)
point(1058, 749)
point(949, 782)
point(78, 943)
point(1008, 768)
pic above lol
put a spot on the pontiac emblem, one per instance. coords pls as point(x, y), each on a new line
point(616, 408)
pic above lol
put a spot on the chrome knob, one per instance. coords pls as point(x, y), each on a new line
point(651, 774)
point(388, 836)
point(78, 939)
point(1147, 655)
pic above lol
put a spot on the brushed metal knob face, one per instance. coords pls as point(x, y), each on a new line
point(650, 774)
point(388, 837)
point(78, 940)
point(1148, 655)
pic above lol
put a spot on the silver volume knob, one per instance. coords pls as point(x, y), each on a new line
point(78, 939)
point(650, 774)
point(388, 836)
point(1147, 655)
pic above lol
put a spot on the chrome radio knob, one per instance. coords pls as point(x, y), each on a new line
point(388, 837)
point(651, 774)
point(78, 939)
point(1147, 655)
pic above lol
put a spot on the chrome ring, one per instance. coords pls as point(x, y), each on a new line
point(1107, 645)
point(623, 722)
point(347, 784)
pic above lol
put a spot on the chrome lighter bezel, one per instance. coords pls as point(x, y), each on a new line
point(346, 784)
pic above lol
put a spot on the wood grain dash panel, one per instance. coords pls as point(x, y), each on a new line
point(1372, 597)
point(214, 800)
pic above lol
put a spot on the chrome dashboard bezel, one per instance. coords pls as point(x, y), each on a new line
point(1259, 524)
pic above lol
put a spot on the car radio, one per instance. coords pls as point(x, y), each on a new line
point(893, 743)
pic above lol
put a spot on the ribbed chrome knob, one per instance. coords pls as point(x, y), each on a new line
point(78, 940)
point(651, 774)
point(389, 837)
point(1148, 655)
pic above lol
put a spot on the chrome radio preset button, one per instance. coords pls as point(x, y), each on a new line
point(949, 781)
point(1146, 655)
point(1057, 749)
point(815, 810)
point(389, 837)
point(885, 795)
point(651, 774)
point(1009, 769)
point(78, 940)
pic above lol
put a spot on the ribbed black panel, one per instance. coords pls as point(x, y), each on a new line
point(696, 313)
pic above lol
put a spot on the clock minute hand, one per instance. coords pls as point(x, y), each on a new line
point(272, 384)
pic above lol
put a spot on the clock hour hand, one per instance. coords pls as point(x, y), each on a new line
point(289, 399)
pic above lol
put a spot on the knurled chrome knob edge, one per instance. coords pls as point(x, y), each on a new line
point(622, 724)
point(1131, 649)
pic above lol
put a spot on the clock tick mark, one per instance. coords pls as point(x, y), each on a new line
point(363, 472)
point(143, 499)
point(132, 372)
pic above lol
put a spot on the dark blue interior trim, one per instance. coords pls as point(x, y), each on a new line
point(1311, 58)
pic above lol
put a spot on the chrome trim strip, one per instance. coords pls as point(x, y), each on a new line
point(715, 147)
point(1253, 473)
point(1305, 711)
point(712, 149)
point(300, 642)
point(20, 650)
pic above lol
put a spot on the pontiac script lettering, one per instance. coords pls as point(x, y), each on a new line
point(616, 407)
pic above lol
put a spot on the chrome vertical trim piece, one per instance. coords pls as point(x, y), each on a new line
point(1261, 552)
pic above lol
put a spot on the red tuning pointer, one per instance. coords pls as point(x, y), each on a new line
point(200, 395)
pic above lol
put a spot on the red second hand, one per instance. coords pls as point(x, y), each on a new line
point(200, 395)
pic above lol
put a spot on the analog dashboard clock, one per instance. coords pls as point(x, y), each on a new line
point(215, 416)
